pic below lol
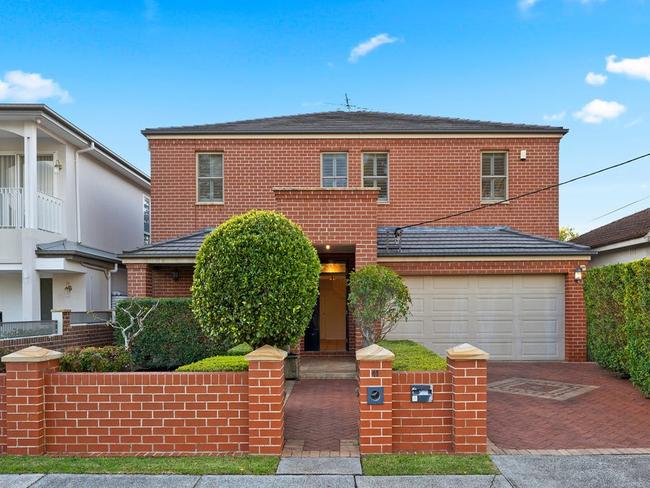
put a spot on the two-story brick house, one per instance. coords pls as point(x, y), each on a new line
point(497, 277)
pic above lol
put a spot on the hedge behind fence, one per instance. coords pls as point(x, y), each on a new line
point(617, 298)
point(171, 336)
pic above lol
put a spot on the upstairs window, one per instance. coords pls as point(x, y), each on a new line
point(146, 209)
point(494, 176)
point(45, 173)
point(375, 173)
point(334, 170)
point(209, 181)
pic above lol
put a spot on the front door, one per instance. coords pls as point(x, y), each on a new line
point(46, 299)
point(332, 311)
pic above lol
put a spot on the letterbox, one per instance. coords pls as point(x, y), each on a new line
point(421, 393)
point(375, 395)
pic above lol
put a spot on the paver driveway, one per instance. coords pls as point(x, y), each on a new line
point(322, 413)
point(613, 415)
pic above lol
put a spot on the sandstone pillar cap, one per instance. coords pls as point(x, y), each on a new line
point(466, 351)
point(266, 353)
point(374, 352)
point(31, 354)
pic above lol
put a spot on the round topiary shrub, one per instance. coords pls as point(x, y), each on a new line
point(256, 281)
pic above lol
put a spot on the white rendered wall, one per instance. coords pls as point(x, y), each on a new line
point(75, 299)
point(620, 256)
point(10, 296)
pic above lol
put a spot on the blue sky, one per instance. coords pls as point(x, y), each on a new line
point(114, 68)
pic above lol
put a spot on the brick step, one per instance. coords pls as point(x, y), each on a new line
point(325, 375)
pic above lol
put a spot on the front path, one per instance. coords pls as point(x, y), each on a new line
point(577, 406)
point(322, 416)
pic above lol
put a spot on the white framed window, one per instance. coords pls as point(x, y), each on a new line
point(334, 170)
point(375, 173)
point(45, 173)
point(494, 176)
point(146, 213)
point(209, 178)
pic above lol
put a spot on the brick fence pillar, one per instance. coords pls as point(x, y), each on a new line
point(25, 400)
point(139, 280)
point(62, 317)
point(375, 368)
point(266, 400)
point(467, 366)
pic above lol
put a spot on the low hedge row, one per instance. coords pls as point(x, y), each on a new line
point(617, 300)
point(217, 363)
point(171, 336)
point(107, 359)
point(411, 356)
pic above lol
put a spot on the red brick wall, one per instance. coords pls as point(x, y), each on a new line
point(164, 285)
point(3, 413)
point(139, 280)
point(428, 178)
point(146, 412)
point(422, 427)
point(575, 322)
point(375, 421)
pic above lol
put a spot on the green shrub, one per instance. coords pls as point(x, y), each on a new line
point(105, 359)
point(637, 323)
point(256, 281)
point(378, 299)
point(3, 352)
point(171, 335)
point(240, 350)
point(604, 290)
point(217, 363)
point(617, 298)
point(411, 356)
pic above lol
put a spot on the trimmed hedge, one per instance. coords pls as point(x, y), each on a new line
point(171, 336)
point(240, 350)
point(411, 356)
point(256, 280)
point(217, 363)
point(107, 359)
point(617, 298)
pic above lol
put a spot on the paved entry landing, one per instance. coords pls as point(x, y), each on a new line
point(322, 419)
point(560, 406)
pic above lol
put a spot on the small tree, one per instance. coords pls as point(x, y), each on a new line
point(568, 233)
point(256, 281)
point(137, 314)
point(379, 299)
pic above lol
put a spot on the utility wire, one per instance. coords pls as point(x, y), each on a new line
point(620, 208)
point(398, 230)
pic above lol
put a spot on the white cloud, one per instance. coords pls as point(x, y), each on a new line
point(598, 110)
point(557, 116)
point(595, 79)
point(525, 5)
point(18, 86)
point(371, 44)
point(633, 67)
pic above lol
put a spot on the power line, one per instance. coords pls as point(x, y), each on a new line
point(398, 230)
point(620, 208)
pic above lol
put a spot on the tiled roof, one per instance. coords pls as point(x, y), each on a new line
point(416, 241)
point(66, 248)
point(341, 122)
point(631, 227)
point(470, 241)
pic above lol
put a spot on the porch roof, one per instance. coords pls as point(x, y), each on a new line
point(414, 242)
point(68, 249)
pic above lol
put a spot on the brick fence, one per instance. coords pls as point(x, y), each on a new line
point(455, 421)
point(47, 411)
point(83, 335)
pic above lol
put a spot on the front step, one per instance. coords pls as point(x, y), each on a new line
point(325, 375)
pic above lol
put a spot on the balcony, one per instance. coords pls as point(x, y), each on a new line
point(49, 210)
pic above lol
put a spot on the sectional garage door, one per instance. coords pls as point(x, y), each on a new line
point(514, 317)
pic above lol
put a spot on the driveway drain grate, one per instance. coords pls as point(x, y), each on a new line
point(551, 390)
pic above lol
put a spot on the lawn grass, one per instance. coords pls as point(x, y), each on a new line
point(411, 356)
point(423, 464)
point(140, 465)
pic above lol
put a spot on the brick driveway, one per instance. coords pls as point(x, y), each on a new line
point(614, 415)
point(322, 413)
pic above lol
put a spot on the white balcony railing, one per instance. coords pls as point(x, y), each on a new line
point(49, 213)
point(11, 208)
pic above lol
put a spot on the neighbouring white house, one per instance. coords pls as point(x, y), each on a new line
point(621, 241)
point(68, 206)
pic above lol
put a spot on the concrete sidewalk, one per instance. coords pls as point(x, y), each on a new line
point(516, 472)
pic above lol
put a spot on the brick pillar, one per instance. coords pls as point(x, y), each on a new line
point(375, 368)
point(62, 316)
point(266, 400)
point(140, 282)
point(25, 400)
point(575, 320)
point(467, 366)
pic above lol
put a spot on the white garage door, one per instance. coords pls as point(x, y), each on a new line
point(511, 317)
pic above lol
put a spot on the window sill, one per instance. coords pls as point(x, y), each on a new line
point(495, 202)
point(209, 203)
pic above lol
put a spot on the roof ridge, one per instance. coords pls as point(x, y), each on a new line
point(173, 239)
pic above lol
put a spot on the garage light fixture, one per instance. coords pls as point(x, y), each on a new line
point(577, 274)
